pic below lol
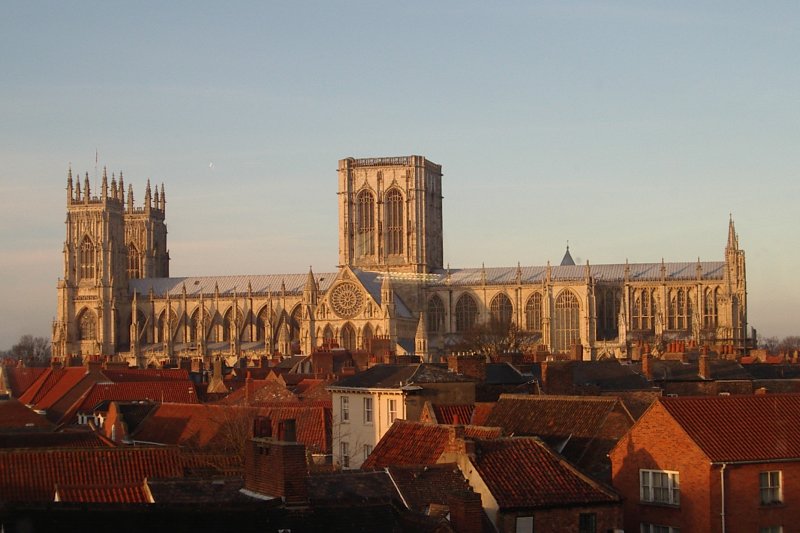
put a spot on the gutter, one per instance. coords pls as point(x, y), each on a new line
point(722, 495)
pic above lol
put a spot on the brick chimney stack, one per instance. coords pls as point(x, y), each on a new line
point(249, 391)
point(466, 512)
point(705, 367)
point(277, 468)
point(647, 369)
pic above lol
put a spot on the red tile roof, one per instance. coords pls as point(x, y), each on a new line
point(453, 414)
point(481, 413)
point(15, 416)
point(117, 493)
point(32, 475)
point(157, 391)
point(213, 426)
point(61, 439)
point(740, 428)
point(264, 390)
point(522, 472)
point(409, 443)
point(51, 386)
point(118, 375)
point(21, 377)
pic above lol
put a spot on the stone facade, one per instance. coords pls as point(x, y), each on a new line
point(391, 289)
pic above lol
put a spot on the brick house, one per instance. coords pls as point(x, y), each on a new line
point(718, 464)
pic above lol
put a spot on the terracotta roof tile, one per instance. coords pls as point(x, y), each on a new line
point(522, 472)
point(116, 493)
point(60, 439)
point(740, 428)
point(54, 384)
point(264, 390)
point(386, 376)
point(156, 391)
point(351, 487)
point(32, 475)
point(21, 377)
point(447, 414)
point(409, 443)
point(213, 426)
point(481, 413)
point(118, 375)
point(15, 416)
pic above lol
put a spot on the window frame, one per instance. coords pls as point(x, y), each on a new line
point(368, 410)
point(391, 410)
point(344, 409)
point(770, 493)
point(651, 493)
point(344, 454)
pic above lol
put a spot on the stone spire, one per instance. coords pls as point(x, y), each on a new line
point(114, 192)
point(104, 185)
point(130, 195)
point(69, 185)
point(310, 288)
point(86, 191)
point(733, 239)
point(163, 199)
point(148, 197)
point(421, 338)
point(121, 188)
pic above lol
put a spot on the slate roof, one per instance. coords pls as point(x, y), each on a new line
point(351, 487)
point(397, 376)
point(711, 270)
point(422, 486)
point(504, 374)
point(522, 473)
point(740, 428)
point(668, 370)
point(770, 371)
point(607, 375)
point(196, 490)
point(32, 475)
point(118, 375)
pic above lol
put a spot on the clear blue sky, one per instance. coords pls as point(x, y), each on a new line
point(630, 129)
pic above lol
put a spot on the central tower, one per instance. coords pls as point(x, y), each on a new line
point(390, 214)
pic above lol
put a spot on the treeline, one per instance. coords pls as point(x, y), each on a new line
point(29, 348)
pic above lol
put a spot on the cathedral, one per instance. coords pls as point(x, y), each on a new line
point(391, 289)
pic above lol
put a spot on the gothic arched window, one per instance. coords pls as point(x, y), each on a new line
point(643, 310)
point(194, 322)
point(366, 337)
point(87, 259)
point(261, 323)
point(466, 313)
point(348, 335)
point(533, 312)
point(365, 224)
point(134, 262)
point(710, 309)
point(567, 322)
point(87, 325)
point(394, 222)
point(294, 323)
point(327, 335)
point(501, 309)
point(435, 315)
point(679, 310)
point(608, 302)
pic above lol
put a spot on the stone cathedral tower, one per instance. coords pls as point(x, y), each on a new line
point(390, 214)
point(109, 241)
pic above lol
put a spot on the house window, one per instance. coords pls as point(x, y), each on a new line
point(659, 487)
point(524, 524)
point(344, 450)
point(770, 485)
point(368, 410)
point(587, 523)
point(391, 411)
point(652, 528)
point(344, 408)
point(367, 450)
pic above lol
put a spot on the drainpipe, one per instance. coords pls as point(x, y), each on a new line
point(722, 496)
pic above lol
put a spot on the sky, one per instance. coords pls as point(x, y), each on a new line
point(631, 130)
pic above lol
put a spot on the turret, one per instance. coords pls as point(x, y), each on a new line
point(148, 199)
point(69, 185)
point(86, 191)
point(104, 186)
point(421, 338)
point(130, 195)
point(163, 199)
point(310, 289)
point(156, 200)
point(121, 188)
point(114, 192)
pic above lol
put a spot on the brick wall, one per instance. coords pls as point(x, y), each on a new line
point(466, 512)
point(277, 468)
point(565, 520)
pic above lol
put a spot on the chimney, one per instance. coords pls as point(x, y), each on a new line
point(466, 511)
point(647, 370)
point(705, 367)
point(473, 366)
point(278, 469)
point(557, 377)
point(287, 430)
point(262, 426)
point(249, 392)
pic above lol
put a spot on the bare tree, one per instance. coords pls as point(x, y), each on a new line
point(30, 347)
point(496, 337)
point(769, 343)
